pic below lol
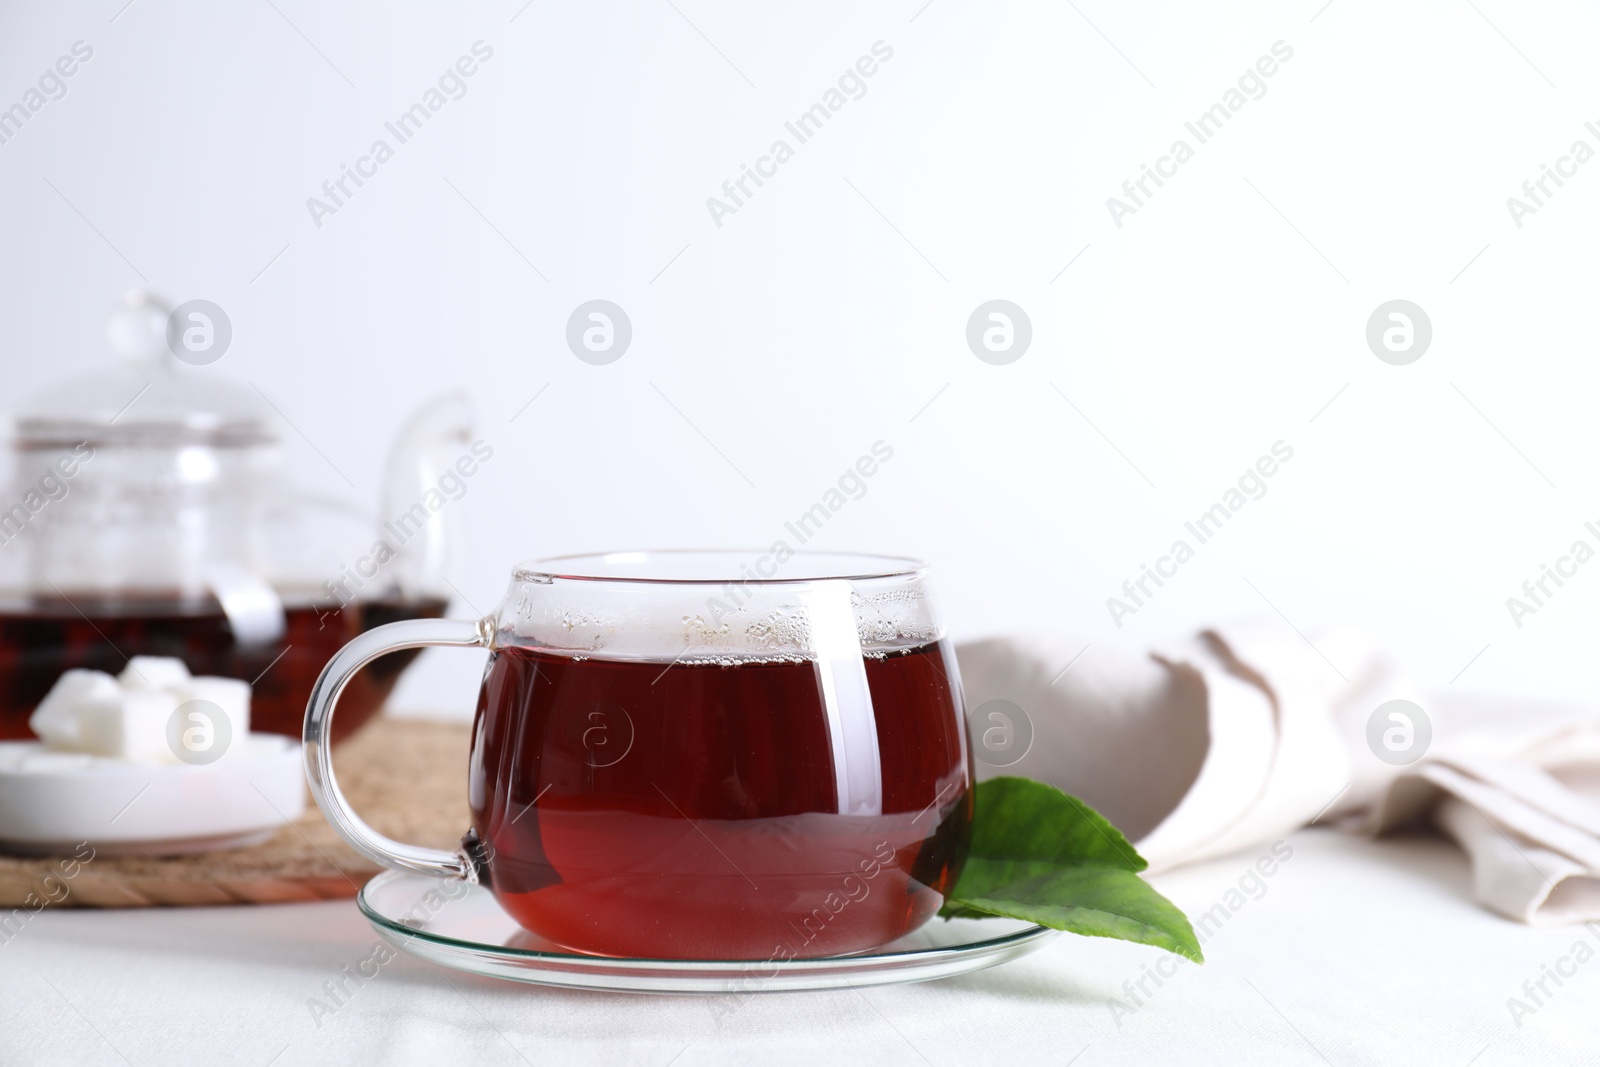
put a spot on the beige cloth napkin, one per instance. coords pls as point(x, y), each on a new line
point(1248, 732)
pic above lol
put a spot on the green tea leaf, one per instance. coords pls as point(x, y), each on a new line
point(1043, 856)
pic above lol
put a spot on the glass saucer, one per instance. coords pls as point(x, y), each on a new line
point(461, 927)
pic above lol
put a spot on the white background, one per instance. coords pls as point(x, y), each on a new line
point(1222, 317)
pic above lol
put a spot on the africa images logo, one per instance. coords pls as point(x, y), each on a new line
point(802, 128)
point(1202, 128)
point(451, 85)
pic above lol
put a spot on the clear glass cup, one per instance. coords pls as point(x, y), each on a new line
point(699, 754)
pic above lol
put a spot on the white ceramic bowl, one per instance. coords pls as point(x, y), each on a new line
point(53, 802)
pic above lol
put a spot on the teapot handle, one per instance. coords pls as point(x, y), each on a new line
point(380, 640)
point(431, 447)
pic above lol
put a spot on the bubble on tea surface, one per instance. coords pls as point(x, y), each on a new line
point(713, 626)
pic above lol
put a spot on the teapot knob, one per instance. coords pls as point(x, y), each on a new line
point(137, 326)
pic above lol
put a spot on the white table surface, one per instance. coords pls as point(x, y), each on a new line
point(1357, 952)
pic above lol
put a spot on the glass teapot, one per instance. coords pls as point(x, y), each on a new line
point(147, 513)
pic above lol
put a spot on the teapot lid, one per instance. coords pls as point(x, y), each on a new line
point(149, 398)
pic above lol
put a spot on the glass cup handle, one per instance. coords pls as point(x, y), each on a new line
point(392, 637)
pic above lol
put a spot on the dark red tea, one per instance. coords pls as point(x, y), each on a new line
point(692, 810)
point(48, 637)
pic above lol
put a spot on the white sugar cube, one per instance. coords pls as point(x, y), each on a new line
point(59, 718)
point(230, 695)
point(132, 718)
point(137, 730)
point(147, 674)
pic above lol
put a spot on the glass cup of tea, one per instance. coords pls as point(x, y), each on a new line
point(698, 754)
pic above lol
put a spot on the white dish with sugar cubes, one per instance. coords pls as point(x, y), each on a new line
point(150, 761)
